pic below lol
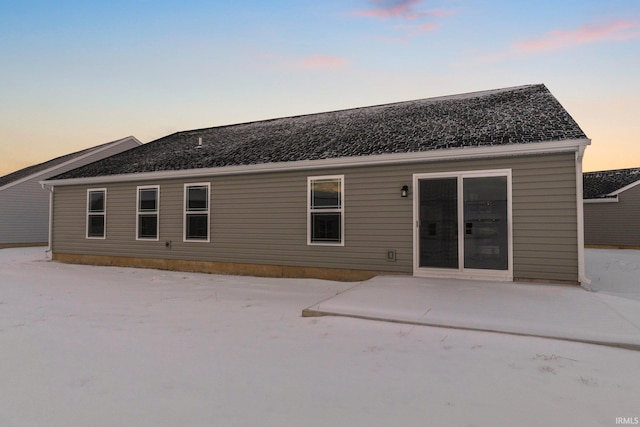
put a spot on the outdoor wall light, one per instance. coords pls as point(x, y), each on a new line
point(404, 191)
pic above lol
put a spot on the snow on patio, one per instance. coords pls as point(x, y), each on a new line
point(562, 312)
point(100, 346)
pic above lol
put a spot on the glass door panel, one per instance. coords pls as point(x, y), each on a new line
point(485, 223)
point(438, 217)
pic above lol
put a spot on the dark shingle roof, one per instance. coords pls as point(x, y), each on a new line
point(34, 169)
point(505, 116)
point(41, 167)
point(601, 184)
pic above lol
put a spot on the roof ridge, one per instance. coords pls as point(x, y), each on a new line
point(459, 96)
point(485, 119)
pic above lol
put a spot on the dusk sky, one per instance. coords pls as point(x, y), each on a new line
point(75, 74)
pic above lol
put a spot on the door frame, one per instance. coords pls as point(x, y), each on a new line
point(461, 272)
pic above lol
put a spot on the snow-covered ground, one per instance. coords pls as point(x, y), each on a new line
point(106, 346)
point(614, 271)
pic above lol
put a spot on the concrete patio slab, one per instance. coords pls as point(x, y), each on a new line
point(549, 311)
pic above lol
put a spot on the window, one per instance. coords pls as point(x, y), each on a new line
point(147, 213)
point(196, 214)
point(96, 213)
point(326, 210)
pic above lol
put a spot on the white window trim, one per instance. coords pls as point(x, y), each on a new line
point(104, 214)
point(341, 210)
point(156, 212)
point(185, 212)
point(461, 272)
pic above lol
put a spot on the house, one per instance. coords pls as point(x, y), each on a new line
point(24, 206)
point(611, 207)
point(483, 185)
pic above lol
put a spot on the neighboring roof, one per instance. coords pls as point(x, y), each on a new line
point(519, 115)
point(32, 171)
point(603, 184)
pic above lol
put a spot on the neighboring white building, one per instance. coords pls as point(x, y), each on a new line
point(24, 205)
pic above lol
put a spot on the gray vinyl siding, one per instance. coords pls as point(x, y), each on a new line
point(262, 218)
point(24, 214)
point(614, 224)
point(24, 207)
point(545, 228)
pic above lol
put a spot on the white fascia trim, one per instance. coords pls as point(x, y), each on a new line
point(547, 147)
point(628, 187)
point(75, 159)
point(602, 200)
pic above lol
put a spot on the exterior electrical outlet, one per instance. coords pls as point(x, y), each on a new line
point(391, 255)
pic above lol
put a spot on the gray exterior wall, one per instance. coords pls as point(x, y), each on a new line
point(614, 224)
point(24, 206)
point(262, 218)
point(24, 214)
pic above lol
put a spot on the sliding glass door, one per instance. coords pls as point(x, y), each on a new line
point(462, 224)
point(485, 223)
point(439, 222)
